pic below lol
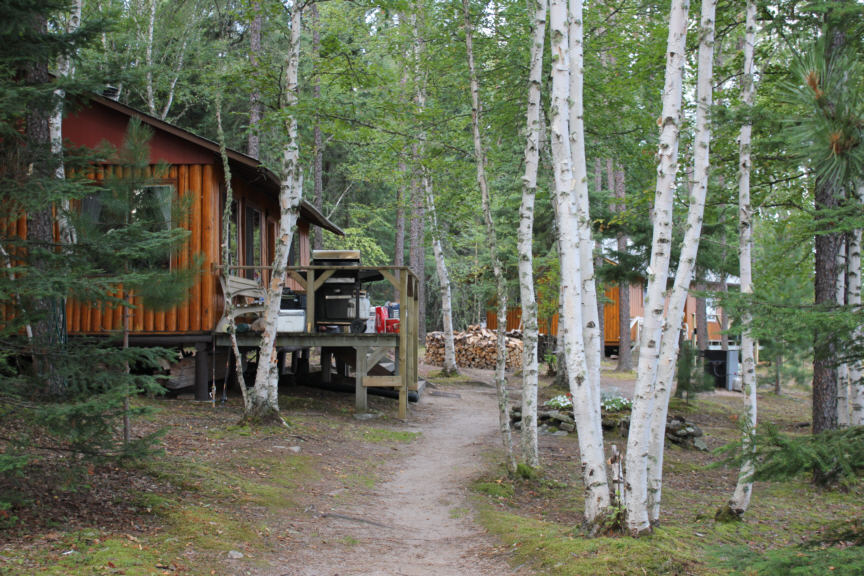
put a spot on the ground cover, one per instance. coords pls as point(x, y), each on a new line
point(540, 518)
point(219, 499)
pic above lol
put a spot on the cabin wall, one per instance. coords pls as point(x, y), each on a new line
point(610, 316)
point(202, 186)
point(198, 187)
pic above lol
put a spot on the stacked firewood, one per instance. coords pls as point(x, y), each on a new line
point(475, 348)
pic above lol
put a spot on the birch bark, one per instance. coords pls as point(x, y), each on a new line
point(530, 371)
point(227, 214)
point(740, 500)
point(264, 404)
point(687, 260)
point(586, 405)
point(842, 368)
point(856, 385)
point(500, 281)
point(625, 362)
point(417, 251)
point(64, 69)
point(590, 316)
point(253, 141)
point(638, 441)
point(450, 366)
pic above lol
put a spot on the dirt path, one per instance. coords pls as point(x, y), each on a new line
point(418, 521)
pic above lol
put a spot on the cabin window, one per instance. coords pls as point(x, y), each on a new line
point(150, 206)
point(254, 242)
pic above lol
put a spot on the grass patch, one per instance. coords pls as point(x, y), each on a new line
point(499, 489)
point(387, 436)
point(555, 549)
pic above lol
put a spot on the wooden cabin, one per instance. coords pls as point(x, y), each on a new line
point(194, 172)
point(611, 311)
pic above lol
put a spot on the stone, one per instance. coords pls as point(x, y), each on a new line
point(235, 555)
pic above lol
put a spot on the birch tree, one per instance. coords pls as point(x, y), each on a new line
point(263, 398)
point(590, 315)
point(698, 190)
point(639, 437)
point(740, 500)
point(530, 453)
point(856, 384)
point(497, 269)
point(450, 367)
point(65, 69)
point(586, 403)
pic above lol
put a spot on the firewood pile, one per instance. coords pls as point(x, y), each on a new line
point(475, 348)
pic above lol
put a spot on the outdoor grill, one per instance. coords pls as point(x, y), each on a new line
point(340, 302)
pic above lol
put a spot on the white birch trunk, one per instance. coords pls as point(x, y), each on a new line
point(500, 281)
point(530, 370)
point(843, 368)
point(55, 126)
point(586, 406)
point(856, 385)
point(226, 258)
point(590, 314)
point(443, 281)
point(638, 441)
point(148, 60)
point(264, 397)
point(687, 260)
point(740, 500)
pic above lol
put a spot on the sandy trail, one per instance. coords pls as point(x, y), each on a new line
point(418, 521)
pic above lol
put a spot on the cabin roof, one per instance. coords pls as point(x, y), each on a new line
point(250, 168)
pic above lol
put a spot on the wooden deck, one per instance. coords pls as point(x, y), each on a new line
point(365, 349)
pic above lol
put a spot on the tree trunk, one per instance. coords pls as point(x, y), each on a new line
point(500, 281)
point(701, 315)
point(48, 324)
point(227, 213)
point(317, 137)
point(264, 401)
point(417, 251)
point(625, 362)
point(843, 367)
point(856, 385)
point(586, 401)
point(639, 437)
point(253, 142)
point(530, 454)
point(450, 367)
point(64, 69)
point(670, 338)
point(740, 501)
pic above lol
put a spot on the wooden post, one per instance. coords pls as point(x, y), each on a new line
point(326, 364)
point(360, 372)
point(310, 301)
point(202, 372)
point(404, 343)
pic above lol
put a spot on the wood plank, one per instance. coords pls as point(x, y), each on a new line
point(195, 188)
point(298, 278)
point(323, 278)
point(96, 318)
point(207, 279)
point(181, 260)
point(361, 402)
point(394, 381)
point(394, 280)
point(117, 312)
point(137, 315)
point(76, 316)
point(310, 302)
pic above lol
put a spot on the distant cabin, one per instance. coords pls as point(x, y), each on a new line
point(194, 172)
point(611, 311)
